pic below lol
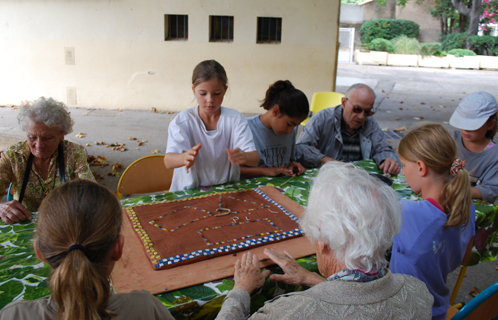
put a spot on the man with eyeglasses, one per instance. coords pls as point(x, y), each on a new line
point(347, 133)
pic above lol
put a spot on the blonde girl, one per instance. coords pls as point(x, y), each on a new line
point(208, 140)
point(436, 233)
point(275, 131)
point(78, 235)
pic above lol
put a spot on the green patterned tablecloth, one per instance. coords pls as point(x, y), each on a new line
point(23, 276)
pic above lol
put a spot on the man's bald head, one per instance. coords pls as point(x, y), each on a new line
point(365, 90)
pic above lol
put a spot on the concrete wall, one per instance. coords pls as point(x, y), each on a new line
point(430, 28)
point(122, 61)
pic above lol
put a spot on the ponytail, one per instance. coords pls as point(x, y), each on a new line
point(432, 144)
point(86, 217)
point(291, 101)
point(456, 199)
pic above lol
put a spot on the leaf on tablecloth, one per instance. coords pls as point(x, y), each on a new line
point(226, 285)
point(115, 170)
point(80, 135)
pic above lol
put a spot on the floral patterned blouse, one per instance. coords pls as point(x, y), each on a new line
point(13, 162)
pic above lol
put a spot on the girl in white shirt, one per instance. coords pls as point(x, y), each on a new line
point(210, 141)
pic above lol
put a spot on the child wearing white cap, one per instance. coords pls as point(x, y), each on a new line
point(476, 118)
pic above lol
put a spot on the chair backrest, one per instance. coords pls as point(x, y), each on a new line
point(10, 193)
point(482, 306)
point(323, 100)
point(145, 175)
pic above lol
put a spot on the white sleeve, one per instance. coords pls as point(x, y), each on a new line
point(178, 138)
point(242, 135)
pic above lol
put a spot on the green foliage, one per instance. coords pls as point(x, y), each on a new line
point(454, 41)
point(387, 29)
point(432, 49)
point(405, 45)
point(461, 52)
point(485, 45)
point(380, 44)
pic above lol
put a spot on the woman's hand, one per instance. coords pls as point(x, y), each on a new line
point(189, 156)
point(13, 211)
point(293, 272)
point(248, 276)
point(297, 168)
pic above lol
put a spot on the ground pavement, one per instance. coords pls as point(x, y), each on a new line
point(405, 96)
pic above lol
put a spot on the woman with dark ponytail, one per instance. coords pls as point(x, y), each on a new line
point(275, 131)
point(78, 235)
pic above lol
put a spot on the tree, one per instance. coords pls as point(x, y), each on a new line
point(473, 13)
point(446, 13)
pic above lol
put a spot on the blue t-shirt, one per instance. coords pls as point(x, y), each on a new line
point(427, 251)
point(273, 150)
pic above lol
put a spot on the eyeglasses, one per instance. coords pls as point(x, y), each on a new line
point(357, 109)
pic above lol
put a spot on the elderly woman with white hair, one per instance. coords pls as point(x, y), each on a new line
point(42, 162)
point(351, 220)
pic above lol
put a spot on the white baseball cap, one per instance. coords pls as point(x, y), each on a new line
point(473, 111)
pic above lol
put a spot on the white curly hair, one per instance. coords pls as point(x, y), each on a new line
point(48, 111)
point(354, 213)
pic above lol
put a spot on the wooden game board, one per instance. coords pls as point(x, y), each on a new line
point(134, 271)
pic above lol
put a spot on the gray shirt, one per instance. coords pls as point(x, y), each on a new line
point(273, 150)
point(482, 168)
point(393, 297)
point(133, 305)
point(322, 137)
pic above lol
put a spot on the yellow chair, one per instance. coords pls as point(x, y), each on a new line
point(145, 175)
point(323, 100)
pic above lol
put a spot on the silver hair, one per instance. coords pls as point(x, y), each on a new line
point(48, 111)
point(354, 213)
point(357, 86)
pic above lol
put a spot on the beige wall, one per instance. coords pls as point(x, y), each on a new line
point(430, 28)
point(122, 61)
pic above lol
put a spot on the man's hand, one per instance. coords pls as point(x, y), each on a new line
point(190, 155)
point(391, 166)
point(13, 211)
point(327, 159)
point(296, 168)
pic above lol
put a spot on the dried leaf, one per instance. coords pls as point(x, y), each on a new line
point(14, 107)
point(400, 108)
point(154, 151)
point(97, 176)
point(154, 110)
point(170, 112)
point(388, 141)
point(120, 110)
point(496, 268)
point(422, 102)
point(441, 106)
point(140, 143)
point(383, 90)
point(97, 161)
point(474, 292)
point(418, 118)
point(114, 144)
point(401, 102)
point(100, 143)
point(400, 129)
point(87, 144)
point(119, 149)
point(115, 170)
point(132, 138)
point(397, 118)
point(415, 108)
point(80, 135)
point(387, 97)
